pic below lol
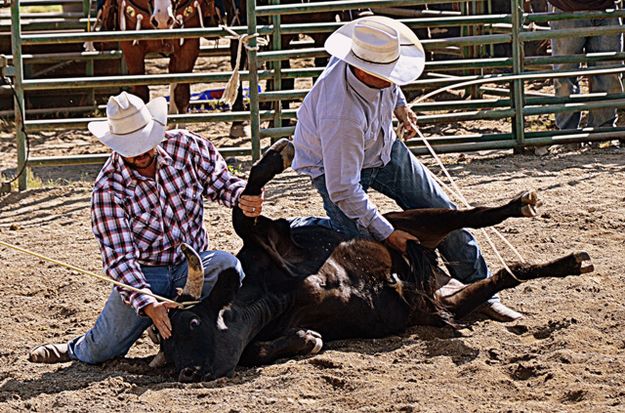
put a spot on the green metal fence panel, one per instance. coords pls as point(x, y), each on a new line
point(481, 32)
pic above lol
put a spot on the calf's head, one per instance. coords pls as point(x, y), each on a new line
point(198, 332)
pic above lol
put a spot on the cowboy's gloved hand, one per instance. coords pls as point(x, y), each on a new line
point(407, 120)
point(252, 205)
point(158, 313)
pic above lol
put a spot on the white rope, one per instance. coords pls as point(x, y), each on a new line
point(185, 304)
point(137, 27)
point(231, 89)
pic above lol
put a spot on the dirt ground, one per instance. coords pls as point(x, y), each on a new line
point(566, 355)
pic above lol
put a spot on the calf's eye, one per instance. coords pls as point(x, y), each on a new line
point(194, 323)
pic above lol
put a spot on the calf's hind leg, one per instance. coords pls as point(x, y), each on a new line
point(432, 225)
point(296, 342)
point(463, 301)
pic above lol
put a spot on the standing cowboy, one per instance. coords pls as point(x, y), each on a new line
point(344, 140)
point(147, 201)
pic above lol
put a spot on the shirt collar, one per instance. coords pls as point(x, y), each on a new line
point(163, 157)
point(369, 94)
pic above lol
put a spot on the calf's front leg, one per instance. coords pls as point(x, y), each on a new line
point(295, 342)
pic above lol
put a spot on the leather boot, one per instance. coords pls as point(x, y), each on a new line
point(49, 353)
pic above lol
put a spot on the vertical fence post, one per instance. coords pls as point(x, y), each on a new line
point(19, 104)
point(89, 64)
point(276, 42)
point(89, 72)
point(518, 123)
point(253, 78)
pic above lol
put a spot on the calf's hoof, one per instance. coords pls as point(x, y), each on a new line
point(583, 264)
point(286, 150)
point(530, 202)
point(311, 341)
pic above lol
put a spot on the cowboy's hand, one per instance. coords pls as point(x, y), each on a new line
point(407, 120)
point(398, 240)
point(252, 205)
point(158, 313)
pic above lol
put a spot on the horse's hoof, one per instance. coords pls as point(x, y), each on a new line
point(240, 130)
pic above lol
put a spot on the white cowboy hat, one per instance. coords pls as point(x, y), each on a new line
point(380, 46)
point(132, 127)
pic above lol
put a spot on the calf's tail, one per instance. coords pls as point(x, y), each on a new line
point(425, 308)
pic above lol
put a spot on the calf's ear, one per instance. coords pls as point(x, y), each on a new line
point(225, 289)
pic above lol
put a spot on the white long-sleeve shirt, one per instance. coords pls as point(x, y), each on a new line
point(343, 127)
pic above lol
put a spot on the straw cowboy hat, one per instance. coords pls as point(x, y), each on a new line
point(380, 46)
point(132, 127)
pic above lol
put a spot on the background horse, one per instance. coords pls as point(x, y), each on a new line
point(159, 14)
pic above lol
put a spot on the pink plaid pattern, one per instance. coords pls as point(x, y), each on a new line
point(140, 221)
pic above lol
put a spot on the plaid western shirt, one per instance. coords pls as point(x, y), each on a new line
point(142, 221)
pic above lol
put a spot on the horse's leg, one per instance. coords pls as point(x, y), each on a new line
point(135, 62)
point(182, 61)
point(432, 225)
point(466, 299)
point(293, 343)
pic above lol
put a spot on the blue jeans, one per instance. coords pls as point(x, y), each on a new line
point(610, 83)
point(406, 181)
point(119, 326)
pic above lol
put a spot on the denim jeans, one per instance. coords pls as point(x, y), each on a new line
point(118, 325)
point(405, 180)
point(610, 83)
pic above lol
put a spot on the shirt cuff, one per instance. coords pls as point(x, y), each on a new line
point(140, 301)
point(237, 195)
point(380, 228)
point(401, 99)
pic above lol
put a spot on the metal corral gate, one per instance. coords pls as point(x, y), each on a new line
point(513, 104)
